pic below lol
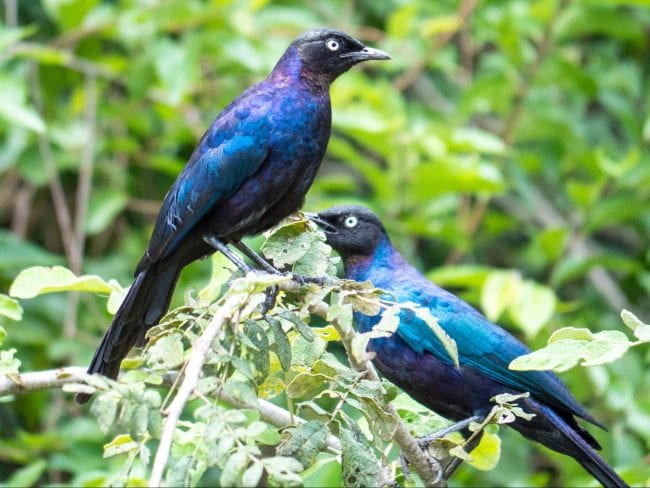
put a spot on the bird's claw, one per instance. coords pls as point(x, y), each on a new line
point(270, 299)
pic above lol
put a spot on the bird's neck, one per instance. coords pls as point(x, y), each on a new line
point(290, 70)
point(383, 261)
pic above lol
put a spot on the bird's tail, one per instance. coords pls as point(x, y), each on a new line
point(574, 442)
point(145, 303)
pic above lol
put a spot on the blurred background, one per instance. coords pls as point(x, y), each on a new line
point(505, 145)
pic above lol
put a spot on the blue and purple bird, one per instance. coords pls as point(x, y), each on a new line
point(414, 359)
point(251, 169)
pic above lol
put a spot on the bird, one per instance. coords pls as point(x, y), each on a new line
point(414, 359)
point(252, 168)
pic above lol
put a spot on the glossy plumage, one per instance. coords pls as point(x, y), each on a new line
point(414, 359)
point(251, 169)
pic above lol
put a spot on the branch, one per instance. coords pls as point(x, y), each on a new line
point(429, 474)
point(40, 380)
point(192, 372)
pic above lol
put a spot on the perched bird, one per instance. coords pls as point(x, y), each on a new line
point(414, 359)
point(252, 168)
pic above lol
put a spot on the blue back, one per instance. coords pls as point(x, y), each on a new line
point(481, 344)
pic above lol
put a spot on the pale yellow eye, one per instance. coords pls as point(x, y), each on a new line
point(332, 45)
point(350, 221)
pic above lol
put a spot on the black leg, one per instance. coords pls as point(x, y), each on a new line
point(221, 246)
point(455, 462)
point(256, 258)
point(424, 442)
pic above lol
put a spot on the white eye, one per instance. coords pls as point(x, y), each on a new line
point(332, 45)
point(350, 221)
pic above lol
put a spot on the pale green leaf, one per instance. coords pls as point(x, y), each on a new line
point(39, 280)
point(533, 307)
point(500, 289)
point(10, 308)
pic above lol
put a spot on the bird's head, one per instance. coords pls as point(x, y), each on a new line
point(352, 230)
point(327, 53)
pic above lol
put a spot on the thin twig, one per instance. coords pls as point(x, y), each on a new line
point(192, 372)
point(54, 181)
point(40, 380)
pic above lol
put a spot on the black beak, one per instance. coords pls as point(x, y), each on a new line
point(365, 54)
point(323, 224)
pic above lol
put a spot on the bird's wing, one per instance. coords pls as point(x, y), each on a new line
point(484, 346)
point(231, 151)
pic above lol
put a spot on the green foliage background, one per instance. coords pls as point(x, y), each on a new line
point(503, 135)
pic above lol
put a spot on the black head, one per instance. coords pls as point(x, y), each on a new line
point(352, 230)
point(328, 53)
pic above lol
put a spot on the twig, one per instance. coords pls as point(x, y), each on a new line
point(56, 187)
point(428, 473)
point(11, 13)
point(192, 372)
point(41, 380)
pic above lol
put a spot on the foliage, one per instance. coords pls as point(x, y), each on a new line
point(504, 145)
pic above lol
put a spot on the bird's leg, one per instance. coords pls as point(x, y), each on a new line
point(223, 248)
point(256, 258)
point(424, 442)
point(269, 268)
point(272, 291)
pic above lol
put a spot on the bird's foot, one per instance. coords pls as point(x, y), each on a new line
point(439, 459)
point(271, 296)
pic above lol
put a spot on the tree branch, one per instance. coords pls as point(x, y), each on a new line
point(428, 473)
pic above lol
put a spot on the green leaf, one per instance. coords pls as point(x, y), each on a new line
point(104, 408)
point(39, 280)
point(10, 308)
point(121, 444)
point(631, 320)
point(386, 327)
point(252, 475)
point(304, 442)
point(27, 475)
point(283, 471)
point(259, 358)
point(282, 346)
point(234, 468)
point(289, 242)
point(360, 467)
point(166, 352)
point(305, 384)
point(533, 307)
point(14, 110)
point(643, 333)
point(301, 326)
point(179, 473)
point(501, 288)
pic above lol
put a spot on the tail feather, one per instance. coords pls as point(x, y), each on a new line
point(145, 303)
point(549, 428)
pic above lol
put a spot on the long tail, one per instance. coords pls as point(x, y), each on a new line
point(567, 437)
point(145, 303)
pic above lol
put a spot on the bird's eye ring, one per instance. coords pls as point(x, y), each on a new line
point(350, 221)
point(332, 45)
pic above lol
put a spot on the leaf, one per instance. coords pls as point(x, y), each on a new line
point(252, 475)
point(642, 333)
point(486, 455)
point(234, 468)
point(289, 242)
point(501, 288)
point(27, 475)
point(304, 384)
point(14, 110)
point(104, 408)
point(301, 326)
point(10, 308)
point(271, 387)
point(533, 307)
point(39, 280)
point(283, 471)
point(179, 473)
point(304, 442)
point(166, 352)
point(386, 327)
point(359, 465)
point(121, 444)
point(282, 346)
point(631, 320)
point(448, 343)
point(259, 358)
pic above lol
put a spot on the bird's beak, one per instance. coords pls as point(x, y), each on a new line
point(366, 54)
point(323, 224)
